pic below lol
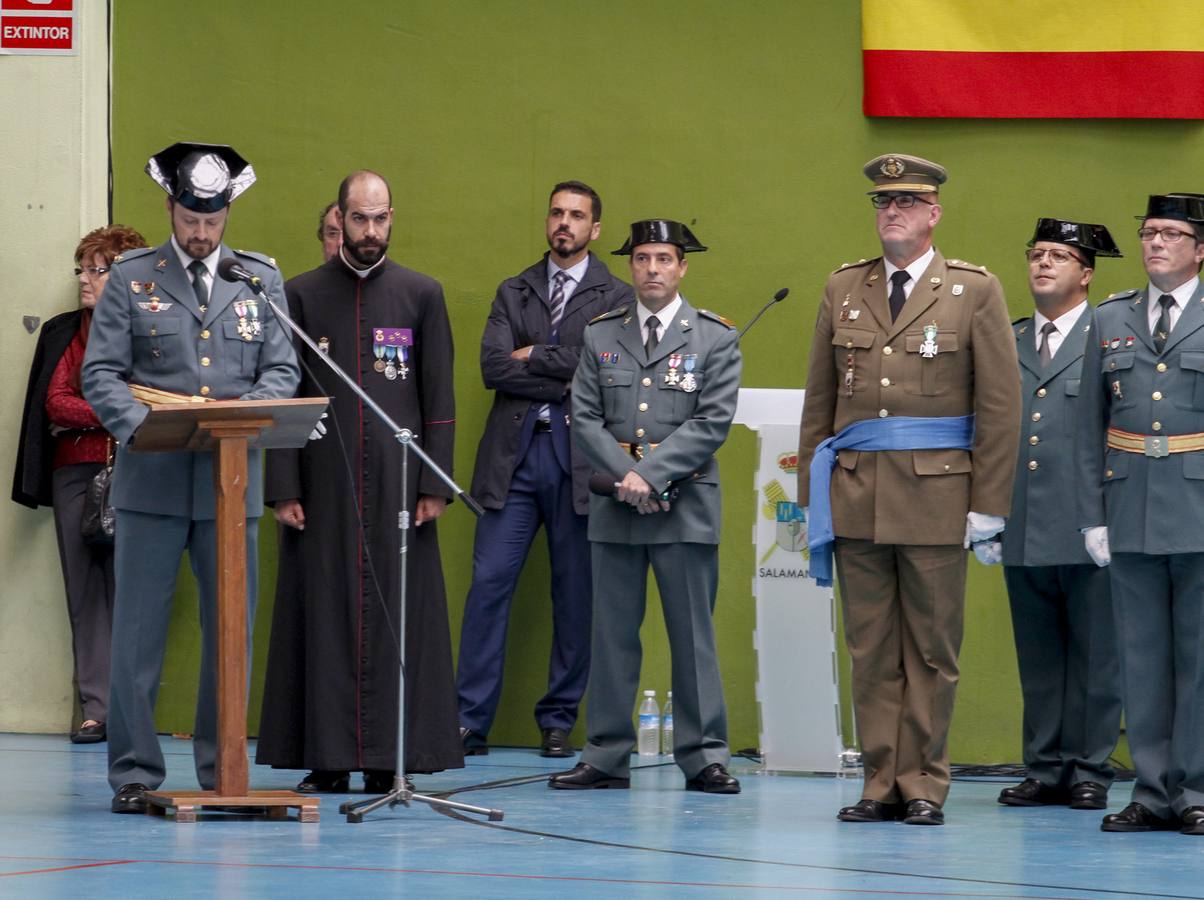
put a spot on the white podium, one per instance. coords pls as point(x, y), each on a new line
point(795, 640)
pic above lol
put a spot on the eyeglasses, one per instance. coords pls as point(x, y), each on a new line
point(902, 201)
point(1057, 256)
point(1169, 235)
point(94, 271)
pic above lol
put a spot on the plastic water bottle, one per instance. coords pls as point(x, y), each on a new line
point(648, 738)
point(667, 726)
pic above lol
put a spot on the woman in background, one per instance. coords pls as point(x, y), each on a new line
point(61, 448)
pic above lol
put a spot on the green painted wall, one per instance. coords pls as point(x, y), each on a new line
point(742, 119)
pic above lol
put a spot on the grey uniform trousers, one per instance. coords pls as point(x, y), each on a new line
point(687, 576)
point(148, 554)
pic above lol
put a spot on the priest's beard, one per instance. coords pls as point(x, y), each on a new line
point(366, 251)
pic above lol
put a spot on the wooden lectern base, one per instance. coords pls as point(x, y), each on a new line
point(185, 804)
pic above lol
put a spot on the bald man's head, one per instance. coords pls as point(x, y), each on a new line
point(364, 180)
point(366, 213)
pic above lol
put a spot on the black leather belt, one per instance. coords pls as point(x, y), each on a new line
point(542, 426)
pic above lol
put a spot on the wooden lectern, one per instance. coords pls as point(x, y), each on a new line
point(228, 429)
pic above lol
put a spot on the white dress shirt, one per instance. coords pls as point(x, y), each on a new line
point(1062, 324)
point(915, 270)
point(1181, 294)
point(664, 317)
point(210, 262)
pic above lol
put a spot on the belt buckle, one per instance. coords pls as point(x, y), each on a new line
point(1157, 446)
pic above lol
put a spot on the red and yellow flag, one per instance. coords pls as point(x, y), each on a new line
point(1114, 59)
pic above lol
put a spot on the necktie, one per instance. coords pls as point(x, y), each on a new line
point(557, 299)
point(557, 303)
point(1043, 351)
point(650, 344)
point(1163, 328)
point(897, 297)
point(197, 268)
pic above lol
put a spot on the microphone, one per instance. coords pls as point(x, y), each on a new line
point(777, 298)
point(230, 270)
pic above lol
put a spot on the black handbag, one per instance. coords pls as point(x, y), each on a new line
point(97, 525)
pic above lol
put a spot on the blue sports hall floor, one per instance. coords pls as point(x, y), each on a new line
point(778, 838)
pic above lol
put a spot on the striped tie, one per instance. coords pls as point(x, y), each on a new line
point(557, 303)
point(557, 300)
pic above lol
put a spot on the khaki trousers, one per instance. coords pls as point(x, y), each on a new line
point(903, 609)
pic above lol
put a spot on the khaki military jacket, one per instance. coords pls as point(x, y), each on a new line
point(863, 366)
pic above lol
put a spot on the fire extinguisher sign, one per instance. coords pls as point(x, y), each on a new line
point(38, 28)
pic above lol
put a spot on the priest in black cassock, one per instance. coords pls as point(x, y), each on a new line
point(330, 698)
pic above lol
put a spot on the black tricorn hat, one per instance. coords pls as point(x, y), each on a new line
point(203, 177)
point(660, 231)
point(1095, 240)
point(1181, 206)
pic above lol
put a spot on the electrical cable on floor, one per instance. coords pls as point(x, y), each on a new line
point(946, 879)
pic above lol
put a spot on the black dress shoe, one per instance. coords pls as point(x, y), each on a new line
point(714, 779)
point(324, 781)
point(380, 781)
point(1136, 817)
point(89, 734)
point(130, 798)
point(584, 777)
point(554, 742)
point(1088, 795)
point(1031, 792)
point(923, 812)
point(871, 811)
point(474, 744)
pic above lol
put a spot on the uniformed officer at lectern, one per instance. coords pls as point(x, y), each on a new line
point(1061, 605)
point(653, 399)
point(166, 321)
point(1140, 452)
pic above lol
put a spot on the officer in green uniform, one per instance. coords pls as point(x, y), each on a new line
point(166, 321)
point(653, 399)
point(1140, 454)
point(1061, 605)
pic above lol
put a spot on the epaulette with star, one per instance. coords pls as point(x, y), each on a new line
point(614, 313)
point(259, 257)
point(853, 265)
point(1121, 295)
point(127, 255)
point(968, 266)
point(715, 317)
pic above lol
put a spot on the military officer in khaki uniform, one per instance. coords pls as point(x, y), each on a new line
point(1061, 605)
point(653, 399)
point(912, 418)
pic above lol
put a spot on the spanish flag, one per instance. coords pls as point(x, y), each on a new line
point(1026, 59)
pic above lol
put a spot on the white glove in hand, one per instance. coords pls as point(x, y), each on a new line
point(319, 429)
point(981, 527)
point(1096, 541)
point(989, 553)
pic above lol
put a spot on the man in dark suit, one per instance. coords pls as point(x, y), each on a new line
point(653, 400)
point(166, 321)
point(1140, 455)
point(1061, 605)
point(529, 474)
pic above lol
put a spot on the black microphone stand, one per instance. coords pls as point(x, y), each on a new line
point(777, 298)
point(402, 793)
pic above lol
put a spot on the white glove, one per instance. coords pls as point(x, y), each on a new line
point(989, 553)
point(1096, 541)
point(981, 527)
point(319, 429)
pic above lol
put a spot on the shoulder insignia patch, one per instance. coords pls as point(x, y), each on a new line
point(962, 264)
point(715, 317)
point(854, 265)
point(613, 314)
point(132, 254)
point(260, 257)
point(1121, 295)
